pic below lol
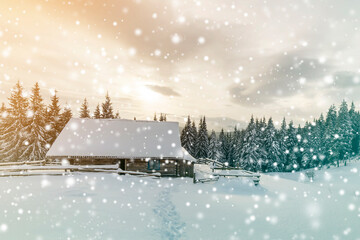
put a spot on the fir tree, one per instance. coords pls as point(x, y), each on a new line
point(282, 138)
point(213, 150)
point(35, 128)
point(344, 134)
point(251, 153)
point(84, 110)
point(97, 113)
point(13, 128)
point(65, 117)
point(107, 109)
point(272, 146)
point(162, 117)
point(187, 138)
point(53, 123)
point(291, 148)
point(155, 118)
point(194, 141)
point(330, 135)
point(224, 147)
point(355, 125)
point(202, 140)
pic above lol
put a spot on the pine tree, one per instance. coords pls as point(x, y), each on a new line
point(35, 128)
point(84, 110)
point(196, 148)
point(282, 138)
point(320, 135)
point(344, 134)
point(202, 140)
point(260, 127)
point(291, 148)
point(65, 117)
point(155, 118)
point(97, 113)
point(53, 120)
point(223, 147)
point(13, 133)
point(162, 117)
point(187, 137)
point(213, 150)
point(194, 141)
point(272, 146)
point(117, 115)
point(236, 146)
point(355, 125)
point(251, 154)
point(107, 109)
point(330, 135)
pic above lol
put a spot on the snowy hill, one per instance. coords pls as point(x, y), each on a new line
point(105, 206)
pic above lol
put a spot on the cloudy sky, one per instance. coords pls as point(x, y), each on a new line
point(225, 59)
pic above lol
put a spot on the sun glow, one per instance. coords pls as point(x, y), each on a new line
point(148, 95)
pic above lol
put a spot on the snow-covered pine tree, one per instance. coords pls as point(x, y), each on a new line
point(213, 150)
point(250, 150)
point(344, 133)
point(187, 138)
point(355, 125)
point(223, 147)
point(53, 120)
point(202, 140)
point(107, 109)
point(306, 146)
point(330, 134)
point(320, 135)
point(260, 139)
point(196, 148)
point(282, 139)
point(35, 143)
point(97, 112)
point(155, 118)
point(13, 127)
point(272, 147)
point(291, 148)
point(84, 109)
point(194, 141)
point(65, 117)
point(236, 146)
point(299, 147)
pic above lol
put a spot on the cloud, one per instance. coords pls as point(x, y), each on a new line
point(287, 76)
point(346, 79)
point(166, 91)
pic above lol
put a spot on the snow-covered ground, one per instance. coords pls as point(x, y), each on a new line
point(107, 206)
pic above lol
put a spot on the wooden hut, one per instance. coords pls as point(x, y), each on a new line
point(144, 146)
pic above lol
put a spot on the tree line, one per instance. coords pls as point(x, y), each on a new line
point(262, 147)
point(28, 127)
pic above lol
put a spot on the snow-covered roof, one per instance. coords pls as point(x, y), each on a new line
point(118, 138)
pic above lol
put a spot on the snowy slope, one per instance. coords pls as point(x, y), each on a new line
point(105, 206)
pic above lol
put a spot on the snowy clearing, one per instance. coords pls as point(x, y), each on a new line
point(109, 206)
